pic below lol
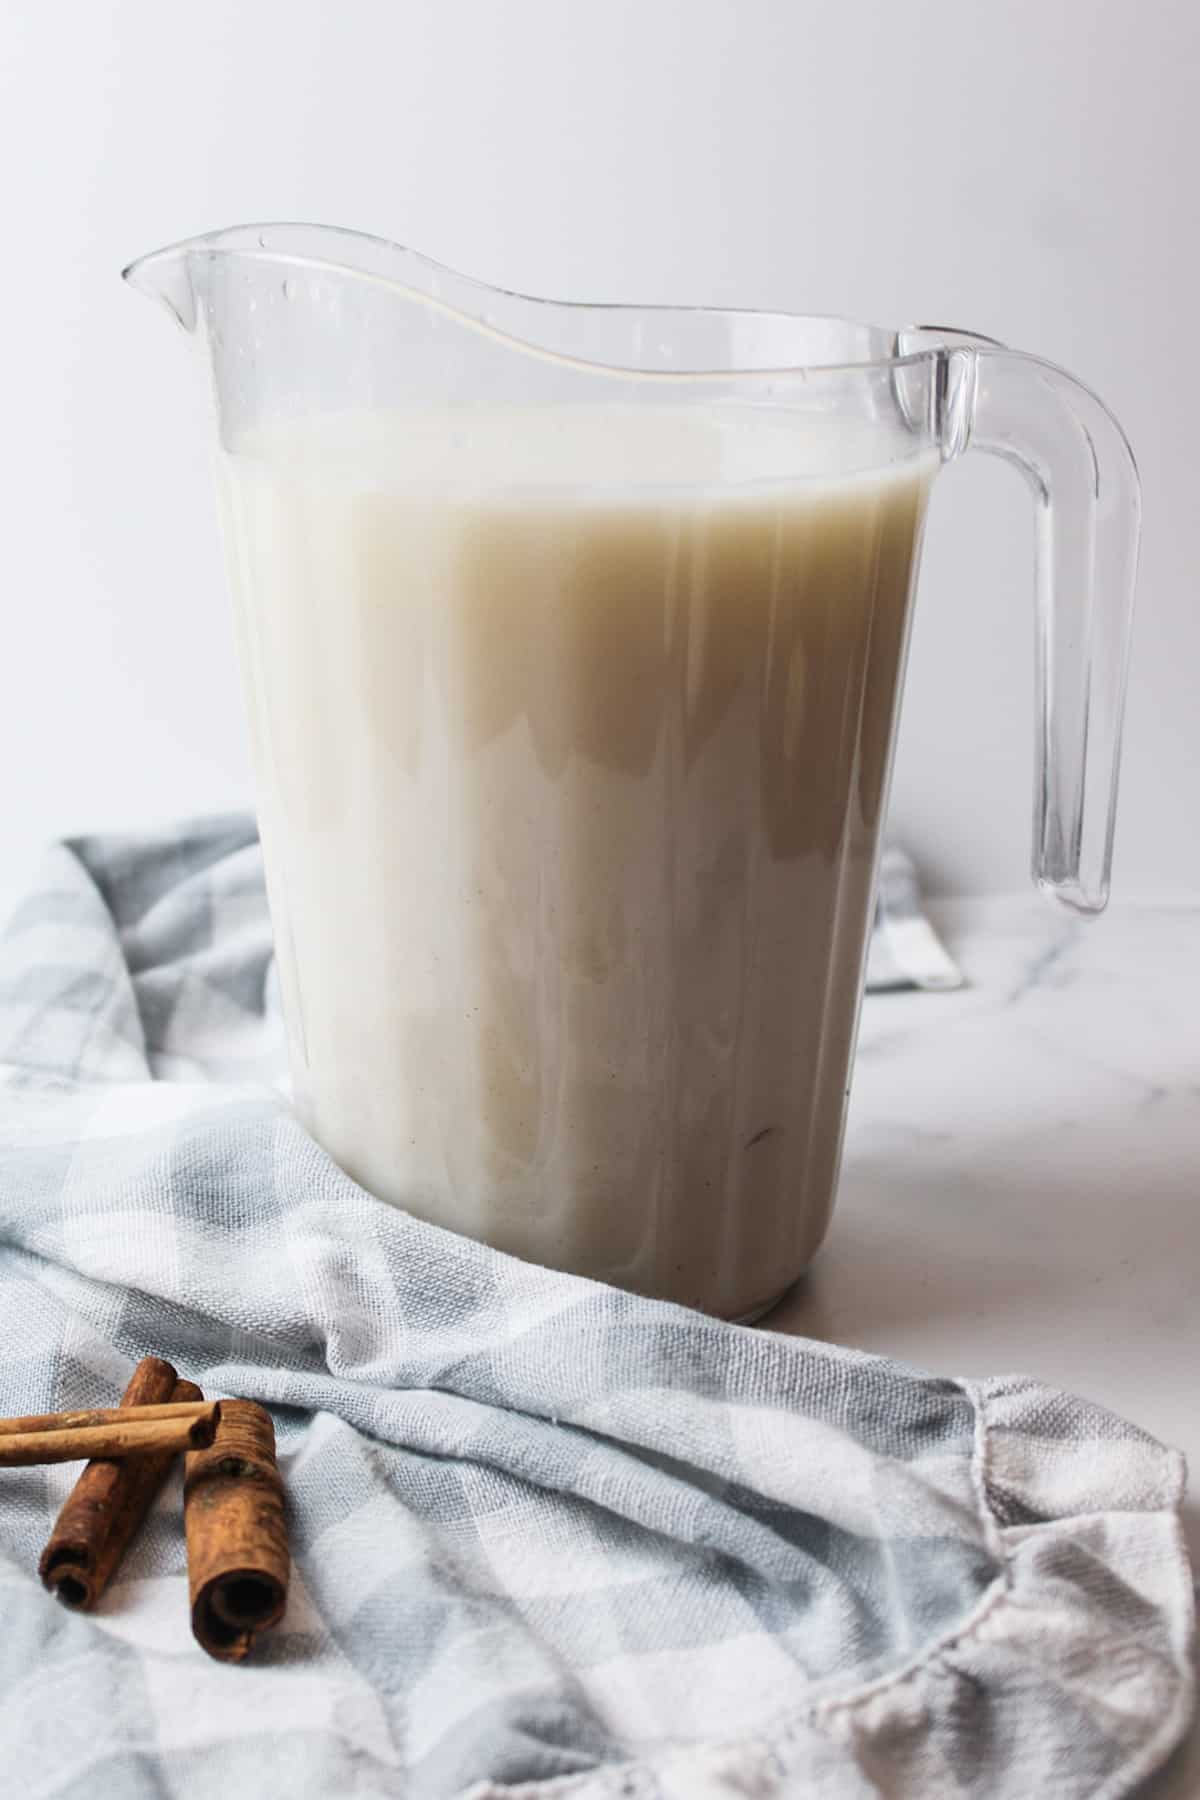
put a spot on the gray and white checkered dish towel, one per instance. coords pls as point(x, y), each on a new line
point(550, 1539)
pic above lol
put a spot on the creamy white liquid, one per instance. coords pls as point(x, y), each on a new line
point(572, 730)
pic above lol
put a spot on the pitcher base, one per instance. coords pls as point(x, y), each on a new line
point(755, 1313)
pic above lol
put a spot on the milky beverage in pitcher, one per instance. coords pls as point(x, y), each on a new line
point(572, 728)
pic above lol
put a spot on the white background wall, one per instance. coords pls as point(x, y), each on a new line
point(1023, 167)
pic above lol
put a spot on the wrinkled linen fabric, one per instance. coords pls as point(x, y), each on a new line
point(550, 1539)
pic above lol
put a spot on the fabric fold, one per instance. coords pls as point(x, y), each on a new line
point(550, 1538)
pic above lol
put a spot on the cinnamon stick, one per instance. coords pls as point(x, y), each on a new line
point(110, 1500)
point(208, 1411)
point(108, 1441)
point(238, 1560)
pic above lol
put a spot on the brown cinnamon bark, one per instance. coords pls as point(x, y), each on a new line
point(159, 1437)
point(29, 1423)
point(110, 1500)
point(238, 1561)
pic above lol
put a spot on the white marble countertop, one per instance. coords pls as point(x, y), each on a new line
point(1021, 1185)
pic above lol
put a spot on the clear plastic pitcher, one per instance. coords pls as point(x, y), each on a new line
point(572, 640)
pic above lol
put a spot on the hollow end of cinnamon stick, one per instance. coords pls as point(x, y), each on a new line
point(203, 1429)
point(230, 1611)
point(67, 1576)
point(238, 1559)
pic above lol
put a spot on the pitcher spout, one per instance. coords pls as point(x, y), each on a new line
point(295, 258)
point(166, 276)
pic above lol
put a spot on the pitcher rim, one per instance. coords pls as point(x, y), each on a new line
point(229, 241)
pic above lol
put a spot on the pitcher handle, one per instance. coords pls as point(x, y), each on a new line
point(1087, 500)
